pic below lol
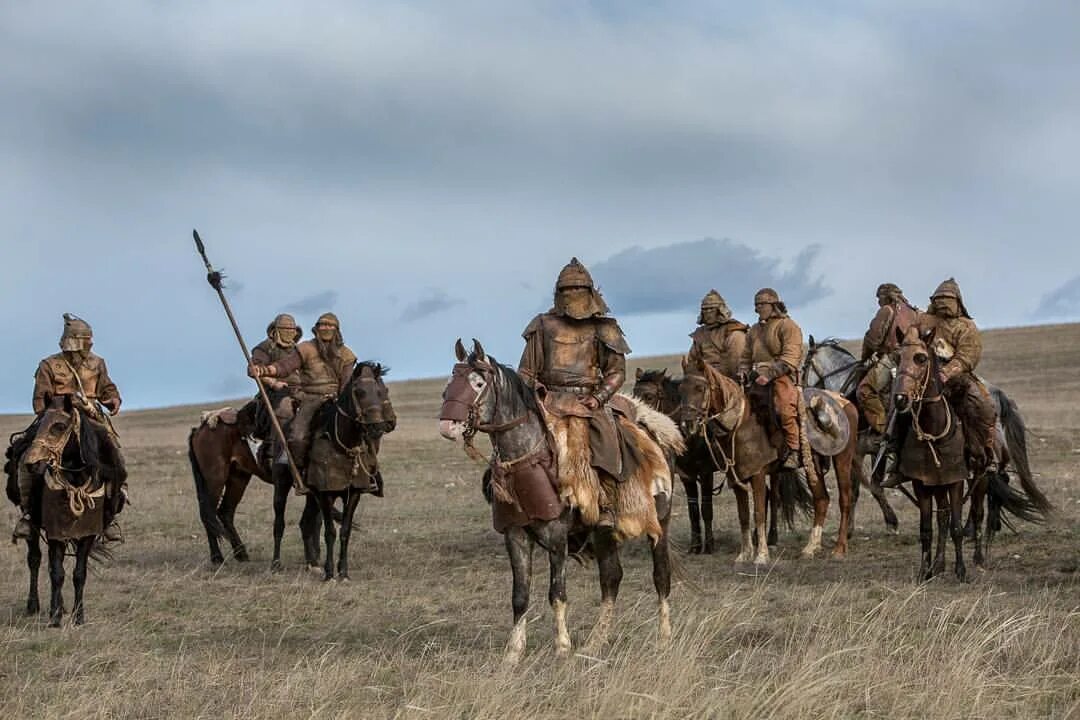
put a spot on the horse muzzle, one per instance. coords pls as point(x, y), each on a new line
point(451, 429)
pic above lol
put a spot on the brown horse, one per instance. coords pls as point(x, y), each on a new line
point(75, 495)
point(716, 410)
point(484, 396)
point(222, 464)
point(932, 455)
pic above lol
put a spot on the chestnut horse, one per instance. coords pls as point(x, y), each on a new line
point(718, 411)
point(484, 396)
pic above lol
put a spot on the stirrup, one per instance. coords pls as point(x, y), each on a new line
point(113, 533)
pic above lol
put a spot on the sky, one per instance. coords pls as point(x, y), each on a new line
point(424, 169)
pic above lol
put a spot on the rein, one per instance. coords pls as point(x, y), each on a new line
point(822, 377)
point(472, 427)
point(917, 401)
point(702, 428)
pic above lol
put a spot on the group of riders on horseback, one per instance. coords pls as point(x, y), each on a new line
point(575, 356)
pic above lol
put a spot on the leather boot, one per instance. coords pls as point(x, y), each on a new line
point(112, 532)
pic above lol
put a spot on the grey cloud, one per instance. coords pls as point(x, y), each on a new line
point(433, 301)
point(232, 386)
point(1061, 303)
point(317, 303)
point(675, 277)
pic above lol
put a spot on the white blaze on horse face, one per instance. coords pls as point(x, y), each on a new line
point(451, 429)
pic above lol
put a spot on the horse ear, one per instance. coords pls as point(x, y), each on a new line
point(479, 350)
point(663, 373)
point(812, 342)
point(638, 373)
point(459, 351)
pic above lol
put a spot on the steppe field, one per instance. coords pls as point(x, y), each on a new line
point(420, 630)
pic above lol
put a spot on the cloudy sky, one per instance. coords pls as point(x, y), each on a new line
point(425, 168)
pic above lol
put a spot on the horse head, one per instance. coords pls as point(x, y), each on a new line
point(828, 365)
point(649, 387)
point(366, 399)
point(916, 371)
point(468, 402)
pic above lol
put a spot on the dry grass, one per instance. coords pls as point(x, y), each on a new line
point(420, 630)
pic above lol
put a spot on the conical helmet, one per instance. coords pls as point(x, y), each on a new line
point(574, 275)
point(766, 295)
point(714, 301)
point(951, 289)
point(77, 334)
point(331, 319)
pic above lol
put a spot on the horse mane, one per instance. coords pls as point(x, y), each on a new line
point(653, 376)
point(377, 369)
point(517, 384)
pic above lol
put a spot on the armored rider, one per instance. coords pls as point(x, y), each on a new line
point(720, 339)
point(880, 353)
point(282, 335)
point(952, 336)
point(774, 349)
point(324, 364)
point(575, 358)
point(79, 376)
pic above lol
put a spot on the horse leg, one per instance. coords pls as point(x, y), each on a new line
point(33, 562)
point(554, 537)
point(326, 504)
point(943, 512)
point(707, 512)
point(661, 560)
point(693, 510)
point(611, 573)
point(742, 504)
point(352, 499)
point(878, 493)
point(56, 577)
point(956, 499)
point(310, 522)
point(757, 483)
point(926, 527)
point(821, 510)
point(843, 465)
point(519, 547)
point(282, 485)
point(78, 577)
point(975, 519)
point(234, 492)
point(774, 503)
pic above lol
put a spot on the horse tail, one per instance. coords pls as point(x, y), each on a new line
point(795, 497)
point(1016, 442)
point(1003, 496)
point(207, 503)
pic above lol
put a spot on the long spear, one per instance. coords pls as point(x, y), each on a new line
point(214, 277)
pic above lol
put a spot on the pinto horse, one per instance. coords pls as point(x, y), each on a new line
point(76, 494)
point(484, 396)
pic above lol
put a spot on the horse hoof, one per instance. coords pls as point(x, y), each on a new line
point(328, 577)
point(894, 529)
point(839, 554)
point(33, 608)
point(54, 623)
point(78, 619)
point(241, 557)
point(217, 560)
point(709, 548)
point(695, 548)
point(276, 566)
point(344, 579)
point(314, 568)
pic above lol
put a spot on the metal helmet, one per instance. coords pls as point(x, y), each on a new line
point(330, 319)
point(284, 329)
point(950, 289)
point(574, 275)
point(77, 336)
point(889, 289)
point(714, 301)
point(768, 295)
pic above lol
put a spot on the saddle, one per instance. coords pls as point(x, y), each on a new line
point(612, 449)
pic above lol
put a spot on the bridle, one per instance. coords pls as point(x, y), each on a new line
point(811, 363)
point(471, 421)
point(918, 398)
point(726, 462)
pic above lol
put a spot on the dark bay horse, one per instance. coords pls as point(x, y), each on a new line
point(828, 365)
point(76, 494)
point(344, 455)
point(484, 396)
point(222, 464)
point(932, 455)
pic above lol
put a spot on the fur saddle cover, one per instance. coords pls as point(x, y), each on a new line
point(331, 470)
point(653, 434)
point(227, 415)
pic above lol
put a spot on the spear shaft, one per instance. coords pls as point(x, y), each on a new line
point(214, 278)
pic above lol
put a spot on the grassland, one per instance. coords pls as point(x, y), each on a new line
point(419, 631)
